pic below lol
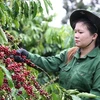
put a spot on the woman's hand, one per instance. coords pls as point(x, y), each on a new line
point(20, 52)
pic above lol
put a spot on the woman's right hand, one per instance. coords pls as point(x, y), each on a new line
point(21, 52)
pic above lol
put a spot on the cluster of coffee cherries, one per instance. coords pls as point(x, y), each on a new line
point(21, 76)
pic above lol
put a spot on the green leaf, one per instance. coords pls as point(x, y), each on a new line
point(26, 9)
point(2, 17)
point(74, 97)
point(55, 96)
point(1, 1)
point(3, 37)
point(10, 82)
point(47, 4)
point(1, 77)
point(16, 22)
point(2, 6)
point(13, 93)
point(15, 9)
point(9, 11)
point(86, 95)
point(74, 91)
point(35, 10)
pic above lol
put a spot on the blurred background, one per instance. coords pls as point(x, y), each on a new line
point(63, 8)
point(42, 26)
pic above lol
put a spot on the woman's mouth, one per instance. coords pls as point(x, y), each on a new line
point(76, 41)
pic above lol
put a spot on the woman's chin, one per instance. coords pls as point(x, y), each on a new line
point(77, 45)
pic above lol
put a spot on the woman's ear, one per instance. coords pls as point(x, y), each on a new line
point(95, 35)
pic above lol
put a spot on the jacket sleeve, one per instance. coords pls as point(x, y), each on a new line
point(49, 64)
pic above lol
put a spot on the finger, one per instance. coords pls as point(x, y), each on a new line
point(19, 51)
point(18, 59)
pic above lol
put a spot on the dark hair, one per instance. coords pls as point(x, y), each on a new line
point(91, 27)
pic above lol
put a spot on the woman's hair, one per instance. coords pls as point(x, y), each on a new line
point(91, 27)
point(71, 53)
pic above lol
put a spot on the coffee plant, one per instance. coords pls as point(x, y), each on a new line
point(21, 77)
point(22, 24)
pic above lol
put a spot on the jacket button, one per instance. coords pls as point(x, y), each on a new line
point(77, 63)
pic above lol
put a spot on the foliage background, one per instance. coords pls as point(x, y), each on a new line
point(24, 25)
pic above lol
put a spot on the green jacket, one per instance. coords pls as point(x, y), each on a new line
point(80, 73)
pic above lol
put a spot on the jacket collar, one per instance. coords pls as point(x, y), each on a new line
point(91, 54)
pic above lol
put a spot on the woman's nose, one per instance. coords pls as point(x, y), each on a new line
point(76, 34)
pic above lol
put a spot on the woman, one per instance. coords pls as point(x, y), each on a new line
point(78, 68)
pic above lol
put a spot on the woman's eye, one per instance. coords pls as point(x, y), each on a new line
point(75, 31)
point(80, 32)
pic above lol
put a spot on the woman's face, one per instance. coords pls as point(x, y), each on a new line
point(82, 35)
